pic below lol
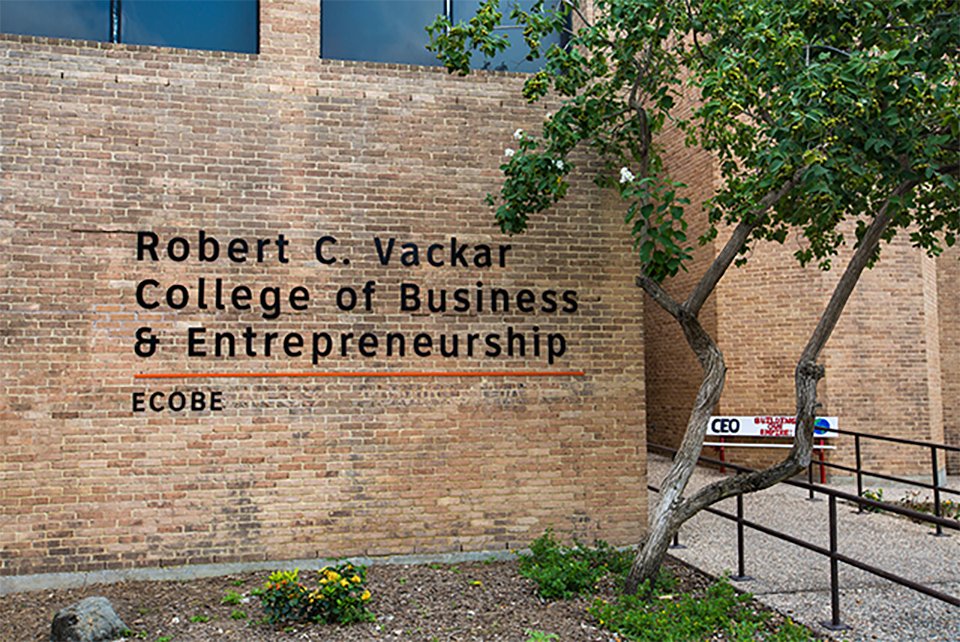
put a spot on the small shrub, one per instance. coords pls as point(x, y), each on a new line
point(915, 501)
point(238, 615)
point(283, 597)
point(561, 572)
point(340, 597)
point(875, 495)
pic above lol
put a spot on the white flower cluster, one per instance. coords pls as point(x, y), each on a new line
point(518, 134)
point(558, 164)
point(626, 176)
point(508, 152)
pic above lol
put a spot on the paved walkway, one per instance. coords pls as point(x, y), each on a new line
point(797, 582)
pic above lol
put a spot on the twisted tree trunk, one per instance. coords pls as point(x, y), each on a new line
point(673, 509)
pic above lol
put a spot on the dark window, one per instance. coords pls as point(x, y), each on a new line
point(75, 19)
point(217, 25)
point(393, 31)
point(378, 30)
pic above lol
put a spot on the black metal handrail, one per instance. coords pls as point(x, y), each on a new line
point(936, 487)
point(860, 473)
point(832, 552)
point(898, 440)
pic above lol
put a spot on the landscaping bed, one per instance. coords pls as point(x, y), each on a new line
point(461, 602)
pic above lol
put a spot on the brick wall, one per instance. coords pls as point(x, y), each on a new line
point(884, 363)
point(767, 310)
point(948, 290)
point(101, 142)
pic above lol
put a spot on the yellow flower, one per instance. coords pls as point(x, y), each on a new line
point(344, 583)
point(365, 596)
point(356, 579)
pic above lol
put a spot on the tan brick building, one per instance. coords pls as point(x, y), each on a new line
point(116, 158)
point(291, 229)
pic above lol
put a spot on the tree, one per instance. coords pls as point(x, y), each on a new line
point(832, 120)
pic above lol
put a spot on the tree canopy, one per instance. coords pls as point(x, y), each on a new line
point(834, 121)
point(859, 98)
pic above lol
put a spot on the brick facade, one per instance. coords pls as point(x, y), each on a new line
point(948, 291)
point(102, 142)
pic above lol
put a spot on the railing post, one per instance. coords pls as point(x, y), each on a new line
point(741, 575)
point(811, 497)
point(936, 490)
point(676, 541)
point(834, 624)
point(856, 447)
point(823, 468)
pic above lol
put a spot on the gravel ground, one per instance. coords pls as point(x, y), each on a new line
point(797, 582)
point(463, 602)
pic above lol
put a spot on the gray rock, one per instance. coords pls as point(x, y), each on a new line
point(90, 620)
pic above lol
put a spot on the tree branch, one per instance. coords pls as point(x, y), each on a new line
point(576, 10)
point(659, 295)
point(859, 261)
point(736, 241)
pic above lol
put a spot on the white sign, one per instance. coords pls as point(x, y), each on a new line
point(767, 426)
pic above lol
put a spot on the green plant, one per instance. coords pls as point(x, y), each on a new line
point(875, 495)
point(283, 597)
point(914, 501)
point(165, 638)
point(790, 632)
point(689, 617)
point(232, 598)
point(238, 615)
point(340, 597)
point(200, 618)
point(561, 572)
point(540, 636)
point(823, 124)
point(238, 582)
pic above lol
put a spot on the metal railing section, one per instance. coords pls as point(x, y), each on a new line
point(832, 552)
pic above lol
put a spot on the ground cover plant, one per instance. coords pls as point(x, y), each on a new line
point(659, 612)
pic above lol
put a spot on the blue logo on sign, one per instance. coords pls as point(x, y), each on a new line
point(821, 426)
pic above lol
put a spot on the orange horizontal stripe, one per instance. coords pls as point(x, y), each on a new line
point(239, 375)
